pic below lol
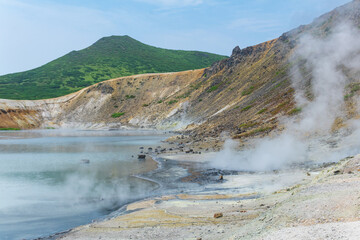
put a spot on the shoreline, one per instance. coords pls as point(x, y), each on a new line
point(292, 211)
point(156, 165)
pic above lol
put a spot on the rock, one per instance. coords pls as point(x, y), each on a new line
point(150, 149)
point(236, 51)
point(141, 156)
point(141, 148)
point(103, 87)
point(85, 161)
point(337, 172)
point(218, 215)
point(221, 177)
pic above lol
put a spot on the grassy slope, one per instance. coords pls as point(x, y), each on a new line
point(109, 57)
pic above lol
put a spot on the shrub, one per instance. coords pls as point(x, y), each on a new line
point(355, 88)
point(262, 129)
point(116, 115)
point(213, 88)
point(248, 91)
point(129, 96)
point(246, 108)
point(262, 111)
point(172, 102)
point(248, 125)
point(295, 111)
point(346, 97)
point(9, 129)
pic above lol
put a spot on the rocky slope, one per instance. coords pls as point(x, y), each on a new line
point(244, 95)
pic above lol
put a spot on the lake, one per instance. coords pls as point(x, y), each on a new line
point(52, 180)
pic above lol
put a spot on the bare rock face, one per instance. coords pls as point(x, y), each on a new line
point(236, 51)
point(103, 88)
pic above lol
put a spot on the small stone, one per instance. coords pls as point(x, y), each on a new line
point(141, 156)
point(218, 215)
point(86, 161)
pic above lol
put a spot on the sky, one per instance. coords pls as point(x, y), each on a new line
point(34, 32)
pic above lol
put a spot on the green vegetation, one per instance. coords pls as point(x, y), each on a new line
point(50, 128)
point(279, 84)
point(196, 86)
point(9, 129)
point(295, 111)
point(116, 115)
point(109, 57)
point(129, 96)
point(353, 89)
point(262, 111)
point(146, 105)
point(347, 96)
point(213, 88)
point(185, 95)
point(246, 108)
point(248, 91)
point(248, 125)
point(160, 101)
point(172, 102)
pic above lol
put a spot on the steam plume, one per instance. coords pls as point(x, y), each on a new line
point(329, 60)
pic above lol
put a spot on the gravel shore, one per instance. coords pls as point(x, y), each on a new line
point(324, 205)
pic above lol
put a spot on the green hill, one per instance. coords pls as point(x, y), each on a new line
point(109, 57)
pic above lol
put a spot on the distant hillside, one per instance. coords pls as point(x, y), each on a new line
point(109, 57)
point(245, 95)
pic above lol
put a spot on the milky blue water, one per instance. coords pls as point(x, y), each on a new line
point(45, 186)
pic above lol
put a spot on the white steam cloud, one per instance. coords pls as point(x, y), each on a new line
point(329, 60)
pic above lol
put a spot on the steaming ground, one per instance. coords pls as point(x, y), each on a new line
point(310, 137)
